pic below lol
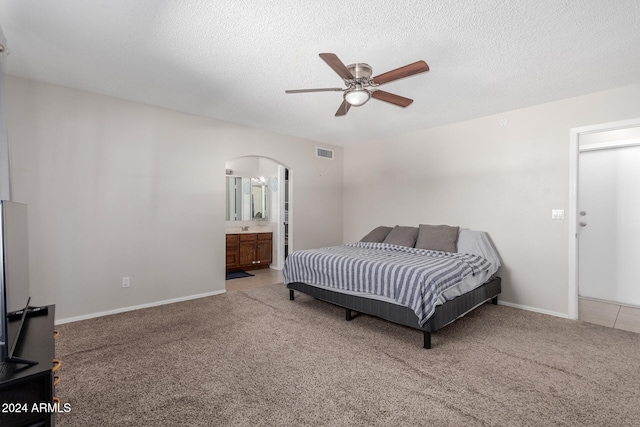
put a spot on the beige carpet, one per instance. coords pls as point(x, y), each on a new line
point(255, 358)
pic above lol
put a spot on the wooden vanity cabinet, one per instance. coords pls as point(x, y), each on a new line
point(233, 251)
point(249, 251)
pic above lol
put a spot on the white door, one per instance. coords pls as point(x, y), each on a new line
point(609, 224)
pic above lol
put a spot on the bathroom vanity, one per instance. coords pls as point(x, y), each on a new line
point(249, 250)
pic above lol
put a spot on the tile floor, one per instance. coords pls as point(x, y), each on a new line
point(609, 314)
point(263, 277)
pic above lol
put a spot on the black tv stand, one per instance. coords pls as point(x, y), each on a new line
point(31, 383)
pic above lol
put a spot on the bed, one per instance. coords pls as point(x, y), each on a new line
point(422, 277)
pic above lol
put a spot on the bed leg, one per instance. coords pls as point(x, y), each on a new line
point(291, 294)
point(494, 300)
point(427, 339)
point(348, 316)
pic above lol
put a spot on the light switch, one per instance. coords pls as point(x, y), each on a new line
point(557, 213)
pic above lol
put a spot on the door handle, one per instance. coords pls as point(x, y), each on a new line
point(583, 224)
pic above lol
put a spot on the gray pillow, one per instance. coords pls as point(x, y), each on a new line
point(437, 237)
point(402, 236)
point(377, 235)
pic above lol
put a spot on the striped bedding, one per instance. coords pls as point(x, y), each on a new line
point(411, 277)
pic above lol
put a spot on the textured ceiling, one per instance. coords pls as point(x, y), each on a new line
point(233, 60)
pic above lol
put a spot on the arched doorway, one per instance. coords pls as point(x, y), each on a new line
point(259, 200)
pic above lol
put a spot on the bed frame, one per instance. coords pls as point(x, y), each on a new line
point(444, 314)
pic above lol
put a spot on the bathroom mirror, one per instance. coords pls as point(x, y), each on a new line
point(247, 199)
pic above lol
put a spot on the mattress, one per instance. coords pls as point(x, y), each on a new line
point(471, 242)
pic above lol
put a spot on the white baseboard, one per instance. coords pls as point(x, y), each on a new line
point(208, 294)
point(137, 307)
point(537, 310)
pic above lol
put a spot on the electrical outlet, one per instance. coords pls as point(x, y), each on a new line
point(126, 282)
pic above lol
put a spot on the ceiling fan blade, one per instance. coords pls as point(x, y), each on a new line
point(402, 72)
point(391, 98)
point(329, 89)
point(334, 62)
point(344, 108)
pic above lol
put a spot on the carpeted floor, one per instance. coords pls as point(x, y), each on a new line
point(253, 358)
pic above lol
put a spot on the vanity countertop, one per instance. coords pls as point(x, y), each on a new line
point(251, 230)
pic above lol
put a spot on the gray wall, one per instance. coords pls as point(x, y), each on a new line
point(118, 189)
point(502, 174)
point(5, 181)
point(122, 189)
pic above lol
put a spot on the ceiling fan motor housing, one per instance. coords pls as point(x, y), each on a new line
point(360, 71)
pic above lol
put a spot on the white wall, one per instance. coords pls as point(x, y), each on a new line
point(5, 182)
point(117, 189)
point(618, 135)
point(502, 174)
point(122, 189)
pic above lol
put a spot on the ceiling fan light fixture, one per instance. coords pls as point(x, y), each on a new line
point(357, 97)
point(357, 78)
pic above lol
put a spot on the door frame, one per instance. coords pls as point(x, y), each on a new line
point(278, 213)
point(286, 187)
point(574, 152)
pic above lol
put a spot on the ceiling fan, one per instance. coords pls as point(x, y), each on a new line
point(361, 86)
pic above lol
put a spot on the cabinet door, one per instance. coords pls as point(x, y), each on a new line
point(233, 259)
point(232, 252)
point(263, 250)
point(247, 253)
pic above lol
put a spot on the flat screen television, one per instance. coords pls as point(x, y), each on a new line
point(14, 277)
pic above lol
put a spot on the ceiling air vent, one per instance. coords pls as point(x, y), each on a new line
point(324, 153)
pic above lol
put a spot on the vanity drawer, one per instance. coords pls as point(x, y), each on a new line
point(248, 237)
